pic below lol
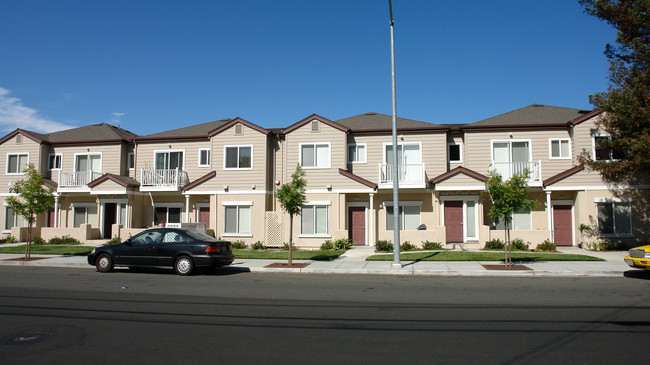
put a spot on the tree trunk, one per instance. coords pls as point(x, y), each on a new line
point(28, 247)
point(508, 256)
point(290, 239)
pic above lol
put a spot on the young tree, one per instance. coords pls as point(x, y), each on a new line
point(32, 200)
point(626, 104)
point(292, 198)
point(508, 197)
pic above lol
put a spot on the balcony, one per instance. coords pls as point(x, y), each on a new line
point(508, 169)
point(163, 179)
point(410, 176)
point(78, 180)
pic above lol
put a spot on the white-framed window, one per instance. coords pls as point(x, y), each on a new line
point(315, 155)
point(170, 213)
point(169, 160)
point(314, 219)
point(409, 216)
point(238, 157)
point(54, 161)
point(204, 157)
point(602, 150)
point(559, 148)
point(130, 160)
point(12, 220)
point(522, 220)
point(237, 218)
point(614, 218)
point(88, 162)
point(455, 152)
point(85, 213)
point(17, 163)
point(357, 153)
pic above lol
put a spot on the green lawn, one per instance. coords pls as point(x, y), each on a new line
point(319, 255)
point(482, 256)
point(49, 250)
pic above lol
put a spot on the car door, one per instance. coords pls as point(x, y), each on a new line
point(141, 250)
point(172, 242)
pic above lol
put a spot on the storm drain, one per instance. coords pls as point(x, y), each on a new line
point(25, 339)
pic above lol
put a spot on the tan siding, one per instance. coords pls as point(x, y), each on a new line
point(10, 146)
point(240, 179)
point(460, 180)
point(145, 158)
point(583, 178)
point(111, 156)
point(582, 137)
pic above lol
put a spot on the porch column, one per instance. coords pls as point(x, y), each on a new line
point(56, 210)
point(371, 221)
point(549, 215)
point(187, 208)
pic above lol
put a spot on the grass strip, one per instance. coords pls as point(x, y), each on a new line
point(49, 250)
point(320, 255)
point(483, 256)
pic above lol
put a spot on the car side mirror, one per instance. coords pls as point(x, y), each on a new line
point(128, 242)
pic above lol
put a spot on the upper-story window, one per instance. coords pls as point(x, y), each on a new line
point(315, 155)
point(603, 150)
point(54, 162)
point(559, 148)
point(130, 161)
point(169, 160)
point(454, 152)
point(357, 153)
point(204, 157)
point(238, 157)
point(17, 163)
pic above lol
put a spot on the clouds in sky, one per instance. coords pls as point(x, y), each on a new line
point(13, 114)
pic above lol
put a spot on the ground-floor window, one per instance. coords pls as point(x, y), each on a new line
point(168, 214)
point(314, 219)
point(237, 219)
point(614, 218)
point(13, 220)
point(521, 221)
point(409, 217)
point(85, 215)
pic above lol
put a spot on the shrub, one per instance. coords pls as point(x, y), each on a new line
point(519, 244)
point(384, 246)
point(38, 240)
point(597, 245)
point(407, 246)
point(258, 246)
point(343, 244)
point(495, 244)
point(327, 245)
point(546, 246)
point(239, 244)
point(65, 240)
point(285, 246)
point(11, 239)
point(428, 245)
point(113, 241)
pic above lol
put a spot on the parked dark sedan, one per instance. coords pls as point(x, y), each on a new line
point(179, 249)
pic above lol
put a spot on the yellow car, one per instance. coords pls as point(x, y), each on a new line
point(639, 257)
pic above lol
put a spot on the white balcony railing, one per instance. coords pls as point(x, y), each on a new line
point(77, 179)
point(163, 179)
point(508, 169)
point(410, 175)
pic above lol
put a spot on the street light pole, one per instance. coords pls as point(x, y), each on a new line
point(396, 226)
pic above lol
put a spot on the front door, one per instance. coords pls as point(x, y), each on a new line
point(562, 231)
point(110, 218)
point(204, 216)
point(357, 225)
point(454, 220)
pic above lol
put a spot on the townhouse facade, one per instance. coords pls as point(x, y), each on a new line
point(110, 182)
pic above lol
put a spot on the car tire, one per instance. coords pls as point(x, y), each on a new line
point(104, 263)
point(184, 265)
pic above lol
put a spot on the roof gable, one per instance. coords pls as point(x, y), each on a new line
point(358, 179)
point(320, 119)
point(200, 180)
point(236, 121)
point(124, 181)
point(458, 170)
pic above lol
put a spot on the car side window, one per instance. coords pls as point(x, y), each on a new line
point(171, 237)
point(146, 238)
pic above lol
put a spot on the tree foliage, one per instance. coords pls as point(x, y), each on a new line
point(33, 198)
point(292, 198)
point(626, 104)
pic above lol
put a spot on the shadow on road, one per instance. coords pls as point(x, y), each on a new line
point(637, 274)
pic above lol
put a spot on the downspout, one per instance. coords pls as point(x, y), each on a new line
point(549, 216)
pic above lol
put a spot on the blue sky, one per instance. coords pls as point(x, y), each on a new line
point(151, 66)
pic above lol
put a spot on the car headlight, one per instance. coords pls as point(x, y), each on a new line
point(92, 252)
point(647, 254)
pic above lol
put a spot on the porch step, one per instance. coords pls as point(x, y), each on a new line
point(463, 246)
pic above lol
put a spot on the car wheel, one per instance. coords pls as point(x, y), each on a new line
point(184, 265)
point(104, 263)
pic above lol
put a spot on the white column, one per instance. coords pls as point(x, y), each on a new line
point(371, 221)
point(549, 215)
point(187, 208)
point(56, 210)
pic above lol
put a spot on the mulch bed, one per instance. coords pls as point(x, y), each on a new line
point(23, 259)
point(287, 266)
point(506, 267)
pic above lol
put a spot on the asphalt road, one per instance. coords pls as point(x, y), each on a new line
point(81, 316)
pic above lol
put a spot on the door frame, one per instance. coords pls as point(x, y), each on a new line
point(464, 198)
point(102, 210)
point(365, 205)
point(197, 210)
point(571, 203)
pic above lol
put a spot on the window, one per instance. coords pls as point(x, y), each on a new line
point(204, 157)
point(238, 157)
point(169, 160)
point(409, 217)
point(85, 215)
point(169, 214)
point(409, 159)
point(314, 220)
point(237, 219)
point(146, 237)
point(130, 161)
point(454, 153)
point(12, 220)
point(54, 162)
point(17, 163)
point(603, 150)
point(614, 218)
point(521, 221)
point(559, 148)
point(88, 162)
point(357, 153)
point(315, 155)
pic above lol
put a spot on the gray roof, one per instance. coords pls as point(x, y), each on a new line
point(198, 130)
point(376, 121)
point(95, 132)
point(532, 114)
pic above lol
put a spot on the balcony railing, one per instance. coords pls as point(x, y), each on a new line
point(77, 179)
point(410, 175)
point(508, 169)
point(163, 179)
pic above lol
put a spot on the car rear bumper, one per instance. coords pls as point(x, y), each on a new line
point(639, 263)
point(213, 261)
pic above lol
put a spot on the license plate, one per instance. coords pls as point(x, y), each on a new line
point(630, 262)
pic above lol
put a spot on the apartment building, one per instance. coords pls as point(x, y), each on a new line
point(225, 174)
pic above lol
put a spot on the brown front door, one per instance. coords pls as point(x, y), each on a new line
point(110, 210)
point(454, 220)
point(204, 216)
point(562, 225)
point(357, 225)
point(50, 218)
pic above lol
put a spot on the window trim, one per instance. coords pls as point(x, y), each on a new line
point(18, 161)
point(155, 152)
point(593, 147)
point(84, 205)
point(101, 159)
point(313, 205)
point(8, 230)
point(613, 202)
point(510, 141)
point(238, 146)
point(329, 155)
point(550, 148)
point(390, 144)
point(238, 205)
point(405, 203)
point(201, 150)
point(60, 158)
point(130, 157)
point(356, 145)
point(460, 152)
point(168, 205)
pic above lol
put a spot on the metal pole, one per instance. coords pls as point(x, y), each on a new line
point(396, 226)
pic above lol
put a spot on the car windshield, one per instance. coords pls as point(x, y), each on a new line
point(200, 236)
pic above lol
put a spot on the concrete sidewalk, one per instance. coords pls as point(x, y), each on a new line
point(353, 262)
